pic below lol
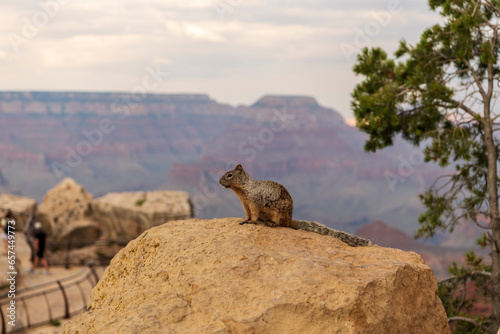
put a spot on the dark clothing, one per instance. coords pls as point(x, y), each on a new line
point(7, 228)
point(41, 237)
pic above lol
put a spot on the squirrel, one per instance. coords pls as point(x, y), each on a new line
point(270, 202)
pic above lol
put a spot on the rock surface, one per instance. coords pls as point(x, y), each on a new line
point(128, 214)
point(215, 276)
point(65, 206)
point(68, 211)
point(21, 207)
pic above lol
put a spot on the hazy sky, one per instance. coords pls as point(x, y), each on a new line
point(234, 50)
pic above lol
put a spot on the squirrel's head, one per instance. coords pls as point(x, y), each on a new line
point(234, 178)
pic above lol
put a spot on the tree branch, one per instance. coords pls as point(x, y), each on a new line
point(479, 168)
point(473, 273)
point(476, 78)
point(495, 9)
point(481, 226)
point(458, 318)
point(464, 108)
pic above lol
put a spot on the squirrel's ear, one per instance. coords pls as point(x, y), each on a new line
point(238, 167)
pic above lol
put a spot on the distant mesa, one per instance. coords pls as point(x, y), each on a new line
point(95, 96)
point(67, 103)
point(384, 235)
point(280, 101)
point(49, 97)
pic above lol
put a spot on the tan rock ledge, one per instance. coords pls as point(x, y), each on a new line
point(216, 276)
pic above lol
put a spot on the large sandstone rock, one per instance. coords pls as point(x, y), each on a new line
point(215, 276)
point(128, 214)
point(66, 207)
point(21, 207)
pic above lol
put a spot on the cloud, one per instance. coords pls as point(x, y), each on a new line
point(199, 32)
point(88, 51)
point(257, 47)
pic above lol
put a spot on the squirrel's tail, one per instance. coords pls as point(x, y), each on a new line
point(322, 229)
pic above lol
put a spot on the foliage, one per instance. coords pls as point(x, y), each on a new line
point(55, 322)
point(461, 292)
point(440, 94)
point(140, 202)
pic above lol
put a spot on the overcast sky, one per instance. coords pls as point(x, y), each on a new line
point(234, 50)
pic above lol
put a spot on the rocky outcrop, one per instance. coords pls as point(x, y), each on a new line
point(65, 208)
point(127, 214)
point(22, 208)
point(69, 212)
point(74, 220)
point(215, 276)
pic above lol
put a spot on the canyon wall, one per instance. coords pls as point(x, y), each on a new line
point(113, 142)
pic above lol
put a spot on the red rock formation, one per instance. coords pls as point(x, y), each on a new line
point(384, 235)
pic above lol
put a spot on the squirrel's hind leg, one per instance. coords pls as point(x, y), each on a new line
point(270, 223)
point(279, 219)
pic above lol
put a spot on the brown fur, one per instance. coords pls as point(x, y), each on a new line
point(266, 201)
point(270, 202)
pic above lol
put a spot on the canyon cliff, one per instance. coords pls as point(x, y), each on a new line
point(114, 142)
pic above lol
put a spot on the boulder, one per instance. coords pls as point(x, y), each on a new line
point(66, 207)
point(216, 276)
point(127, 214)
point(22, 208)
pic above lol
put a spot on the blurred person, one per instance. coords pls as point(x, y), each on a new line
point(5, 229)
point(3, 223)
point(40, 239)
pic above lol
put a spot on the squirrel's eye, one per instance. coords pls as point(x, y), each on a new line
point(229, 175)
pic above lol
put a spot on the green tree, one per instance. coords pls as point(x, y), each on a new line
point(461, 293)
point(441, 93)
